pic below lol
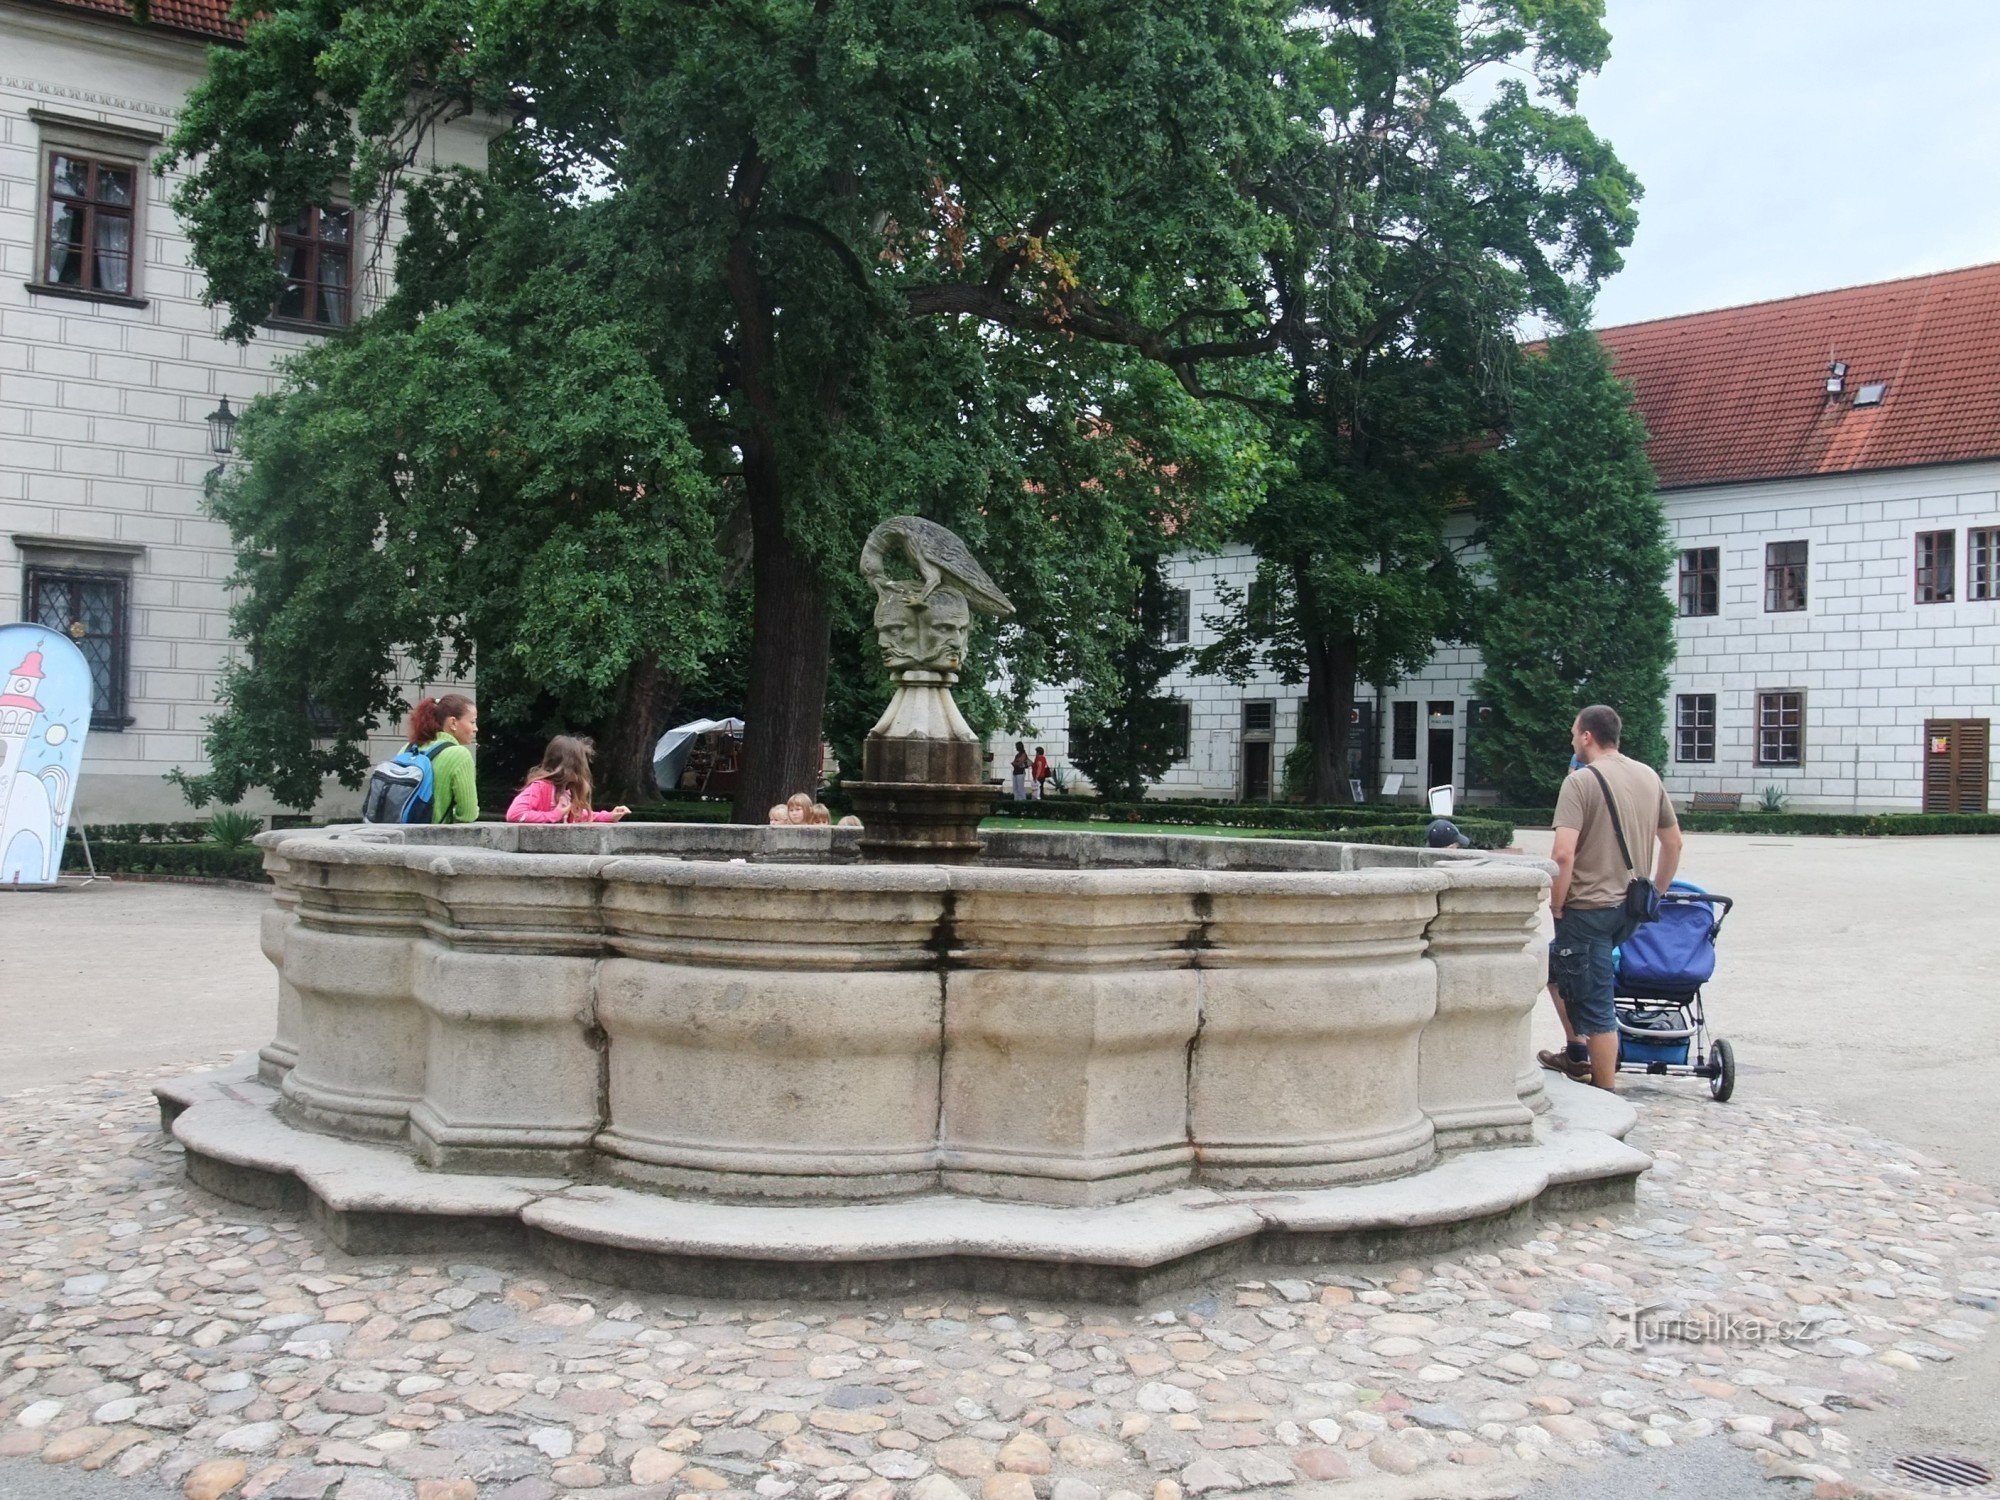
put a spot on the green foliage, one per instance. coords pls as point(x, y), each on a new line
point(1574, 610)
point(1772, 799)
point(207, 861)
point(233, 830)
point(1131, 731)
point(1410, 824)
point(1419, 236)
point(143, 833)
point(679, 812)
point(1809, 824)
point(735, 283)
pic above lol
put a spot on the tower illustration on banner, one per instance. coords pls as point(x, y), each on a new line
point(44, 720)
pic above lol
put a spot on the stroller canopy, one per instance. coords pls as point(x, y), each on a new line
point(671, 753)
point(1675, 954)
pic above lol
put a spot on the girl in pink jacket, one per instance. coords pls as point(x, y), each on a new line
point(558, 790)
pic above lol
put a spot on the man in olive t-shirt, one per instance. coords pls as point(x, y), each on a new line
point(1588, 896)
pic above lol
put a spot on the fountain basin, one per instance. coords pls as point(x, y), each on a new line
point(716, 1018)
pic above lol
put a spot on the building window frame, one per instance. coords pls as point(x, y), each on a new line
point(1982, 562)
point(1781, 728)
point(1785, 581)
point(1178, 620)
point(1183, 746)
point(1936, 567)
point(307, 238)
point(1403, 730)
point(102, 147)
point(1694, 728)
point(1700, 582)
point(111, 665)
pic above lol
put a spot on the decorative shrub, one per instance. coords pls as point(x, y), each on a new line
point(1348, 824)
point(207, 860)
point(234, 830)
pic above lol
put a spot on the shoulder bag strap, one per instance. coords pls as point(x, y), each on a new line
point(1611, 806)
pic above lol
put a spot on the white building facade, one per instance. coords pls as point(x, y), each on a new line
point(1838, 630)
point(110, 366)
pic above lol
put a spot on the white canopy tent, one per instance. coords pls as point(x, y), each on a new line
point(670, 755)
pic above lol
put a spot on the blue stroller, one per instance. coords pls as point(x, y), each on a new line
point(1661, 969)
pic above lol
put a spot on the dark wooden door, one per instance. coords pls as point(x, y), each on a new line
point(1957, 764)
point(1256, 770)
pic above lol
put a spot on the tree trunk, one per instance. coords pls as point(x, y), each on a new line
point(1331, 661)
point(791, 642)
point(1330, 666)
point(791, 624)
point(646, 699)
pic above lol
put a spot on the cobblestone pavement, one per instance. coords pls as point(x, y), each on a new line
point(150, 1331)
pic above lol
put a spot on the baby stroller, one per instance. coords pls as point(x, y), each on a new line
point(1661, 969)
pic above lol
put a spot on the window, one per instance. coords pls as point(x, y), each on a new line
point(1174, 626)
point(314, 254)
point(1079, 739)
point(1982, 562)
point(1937, 566)
point(1404, 728)
point(88, 224)
point(89, 608)
point(1701, 581)
point(1183, 721)
point(1694, 727)
point(1781, 729)
point(1784, 577)
point(1260, 717)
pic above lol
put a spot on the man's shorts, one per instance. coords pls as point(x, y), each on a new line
point(1580, 965)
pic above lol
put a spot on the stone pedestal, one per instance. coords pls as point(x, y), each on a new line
point(921, 797)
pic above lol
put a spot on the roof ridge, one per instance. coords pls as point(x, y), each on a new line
point(1831, 291)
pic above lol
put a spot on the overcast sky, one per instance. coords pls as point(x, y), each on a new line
point(1795, 145)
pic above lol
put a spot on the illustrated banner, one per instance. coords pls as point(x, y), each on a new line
point(44, 719)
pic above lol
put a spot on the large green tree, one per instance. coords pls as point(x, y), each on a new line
point(1130, 731)
point(1424, 231)
point(756, 273)
point(1575, 608)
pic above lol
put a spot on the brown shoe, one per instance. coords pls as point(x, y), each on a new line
point(1563, 1063)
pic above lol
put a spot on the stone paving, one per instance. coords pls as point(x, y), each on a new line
point(148, 1329)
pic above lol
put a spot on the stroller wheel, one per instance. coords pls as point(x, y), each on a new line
point(1722, 1083)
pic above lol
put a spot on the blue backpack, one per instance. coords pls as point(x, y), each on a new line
point(403, 789)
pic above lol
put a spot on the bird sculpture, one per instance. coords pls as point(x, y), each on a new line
point(939, 558)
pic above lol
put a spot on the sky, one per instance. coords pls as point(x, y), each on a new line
point(1791, 146)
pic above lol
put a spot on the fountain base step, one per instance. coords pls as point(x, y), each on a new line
point(373, 1199)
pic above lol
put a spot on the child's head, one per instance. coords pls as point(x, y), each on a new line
point(566, 766)
point(850, 821)
point(798, 808)
point(821, 815)
point(780, 813)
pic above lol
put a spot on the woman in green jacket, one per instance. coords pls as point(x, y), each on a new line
point(451, 722)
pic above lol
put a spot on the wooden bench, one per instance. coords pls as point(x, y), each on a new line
point(1716, 802)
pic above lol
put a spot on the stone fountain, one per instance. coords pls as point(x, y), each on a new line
point(799, 1061)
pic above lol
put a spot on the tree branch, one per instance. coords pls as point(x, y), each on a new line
point(843, 252)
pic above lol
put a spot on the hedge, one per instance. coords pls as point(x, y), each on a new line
point(210, 860)
point(679, 812)
point(1863, 825)
point(1354, 825)
point(144, 833)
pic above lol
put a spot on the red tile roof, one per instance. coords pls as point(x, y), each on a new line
point(209, 18)
point(1740, 393)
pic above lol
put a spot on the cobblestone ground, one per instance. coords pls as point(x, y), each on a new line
point(148, 1329)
